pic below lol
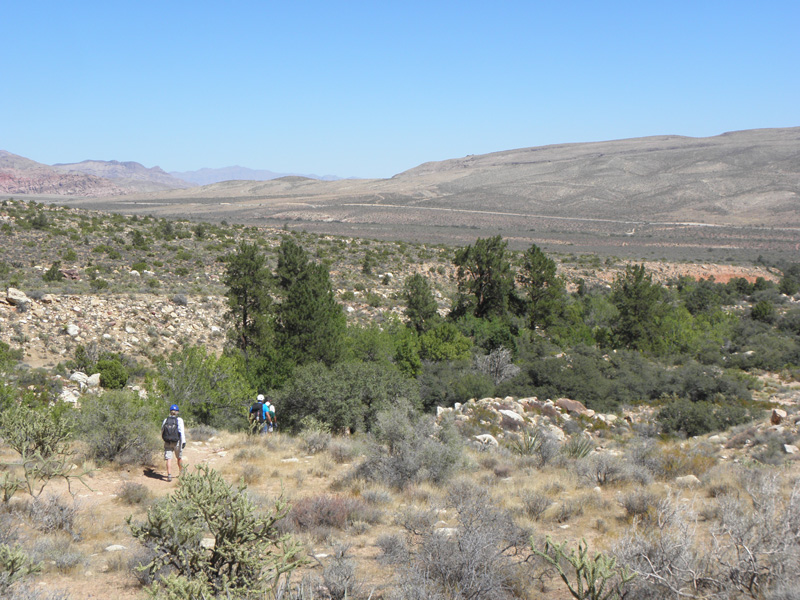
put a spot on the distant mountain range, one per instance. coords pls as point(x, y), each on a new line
point(103, 178)
point(208, 176)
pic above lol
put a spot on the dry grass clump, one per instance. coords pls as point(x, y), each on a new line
point(134, 494)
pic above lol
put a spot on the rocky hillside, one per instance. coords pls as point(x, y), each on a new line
point(131, 175)
point(101, 179)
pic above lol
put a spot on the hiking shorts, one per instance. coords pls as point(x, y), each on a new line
point(172, 450)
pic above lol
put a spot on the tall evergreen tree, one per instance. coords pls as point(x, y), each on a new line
point(311, 323)
point(485, 280)
point(543, 288)
point(640, 306)
point(249, 280)
point(421, 307)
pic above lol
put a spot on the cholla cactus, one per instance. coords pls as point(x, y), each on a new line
point(209, 540)
point(592, 574)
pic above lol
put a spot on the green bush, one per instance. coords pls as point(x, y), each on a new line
point(681, 415)
point(119, 426)
point(113, 375)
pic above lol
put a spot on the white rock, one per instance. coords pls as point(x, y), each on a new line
point(115, 548)
point(134, 273)
point(687, 481)
point(93, 381)
point(79, 377)
point(512, 415)
point(487, 439)
point(70, 396)
point(73, 330)
point(791, 449)
point(208, 543)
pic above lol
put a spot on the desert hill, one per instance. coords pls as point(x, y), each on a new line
point(736, 194)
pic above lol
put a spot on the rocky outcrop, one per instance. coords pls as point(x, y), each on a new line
point(48, 328)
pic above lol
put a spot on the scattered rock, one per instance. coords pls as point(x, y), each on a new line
point(687, 481)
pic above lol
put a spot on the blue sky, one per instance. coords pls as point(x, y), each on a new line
point(371, 89)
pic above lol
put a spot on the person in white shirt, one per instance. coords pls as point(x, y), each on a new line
point(174, 435)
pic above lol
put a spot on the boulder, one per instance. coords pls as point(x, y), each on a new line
point(790, 449)
point(487, 439)
point(512, 415)
point(93, 381)
point(17, 297)
point(572, 406)
point(778, 415)
point(73, 330)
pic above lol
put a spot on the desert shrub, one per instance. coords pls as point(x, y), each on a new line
point(53, 273)
point(478, 559)
point(347, 396)
point(202, 433)
point(119, 426)
point(210, 390)
point(756, 547)
point(393, 548)
point(343, 451)
point(534, 503)
point(681, 415)
point(603, 469)
point(665, 558)
point(339, 576)
point(51, 513)
point(639, 504)
point(408, 448)
point(670, 461)
point(332, 511)
point(113, 375)
point(315, 441)
point(58, 551)
point(249, 556)
point(25, 591)
point(134, 494)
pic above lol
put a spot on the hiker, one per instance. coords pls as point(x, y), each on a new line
point(273, 422)
point(260, 418)
point(174, 436)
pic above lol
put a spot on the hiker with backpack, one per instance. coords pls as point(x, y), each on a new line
point(174, 435)
point(260, 418)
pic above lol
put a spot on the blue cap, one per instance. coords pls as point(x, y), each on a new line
point(174, 407)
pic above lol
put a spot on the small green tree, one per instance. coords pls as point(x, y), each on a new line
point(211, 390)
point(544, 290)
point(485, 279)
point(421, 307)
point(248, 557)
point(639, 302)
point(53, 273)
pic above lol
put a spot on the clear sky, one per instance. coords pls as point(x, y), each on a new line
point(370, 89)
